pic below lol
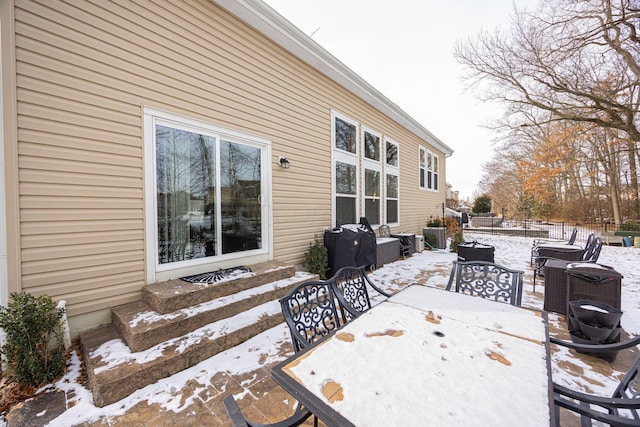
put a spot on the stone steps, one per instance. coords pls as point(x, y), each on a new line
point(142, 346)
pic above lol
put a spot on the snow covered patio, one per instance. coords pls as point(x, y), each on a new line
point(194, 396)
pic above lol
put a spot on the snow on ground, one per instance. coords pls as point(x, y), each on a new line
point(430, 268)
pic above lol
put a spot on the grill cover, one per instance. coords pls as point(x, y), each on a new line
point(474, 251)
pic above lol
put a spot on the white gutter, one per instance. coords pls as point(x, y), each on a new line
point(263, 18)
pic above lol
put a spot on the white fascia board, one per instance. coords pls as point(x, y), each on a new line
point(263, 18)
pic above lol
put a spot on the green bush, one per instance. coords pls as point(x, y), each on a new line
point(455, 241)
point(430, 240)
point(434, 222)
point(34, 347)
point(316, 259)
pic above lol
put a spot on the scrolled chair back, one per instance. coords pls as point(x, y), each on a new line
point(311, 313)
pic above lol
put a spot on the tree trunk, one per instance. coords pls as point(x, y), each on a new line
point(633, 171)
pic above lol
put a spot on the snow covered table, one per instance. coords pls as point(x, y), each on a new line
point(427, 356)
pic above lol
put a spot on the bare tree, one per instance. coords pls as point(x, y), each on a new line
point(575, 61)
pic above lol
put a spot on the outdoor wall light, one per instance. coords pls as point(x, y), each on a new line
point(284, 163)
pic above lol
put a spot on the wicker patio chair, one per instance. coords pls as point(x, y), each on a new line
point(620, 409)
point(591, 253)
point(538, 242)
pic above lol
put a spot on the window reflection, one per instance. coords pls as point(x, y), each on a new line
point(240, 187)
point(345, 136)
point(371, 146)
point(185, 168)
point(187, 196)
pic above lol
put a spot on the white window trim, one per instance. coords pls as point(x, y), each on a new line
point(159, 272)
point(342, 156)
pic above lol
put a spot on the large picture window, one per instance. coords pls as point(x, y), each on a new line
point(209, 187)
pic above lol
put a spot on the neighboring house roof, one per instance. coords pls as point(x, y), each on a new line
point(263, 18)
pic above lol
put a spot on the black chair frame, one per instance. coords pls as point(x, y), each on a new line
point(487, 280)
point(350, 288)
point(592, 250)
point(538, 242)
point(621, 399)
point(237, 419)
point(311, 312)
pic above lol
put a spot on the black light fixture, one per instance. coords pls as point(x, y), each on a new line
point(284, 163)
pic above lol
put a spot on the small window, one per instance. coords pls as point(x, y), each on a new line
point(371, 146)
point(428, 170)
point(392, 153)
point(345, 136)
point(392, 198)
point(372, 196)
point(346, 193)
point(422, 167)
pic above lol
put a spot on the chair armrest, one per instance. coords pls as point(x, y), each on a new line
point(452, 275)
point(587, 412)
point(597, 347)
point(237, 420)
point(605, 402)
point(377, 289)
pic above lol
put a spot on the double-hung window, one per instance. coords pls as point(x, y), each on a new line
point(371, 144)
point(428, 169)
point(345, 172)
point(391, 170)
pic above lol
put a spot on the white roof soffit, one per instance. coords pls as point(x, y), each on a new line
point(263, 18)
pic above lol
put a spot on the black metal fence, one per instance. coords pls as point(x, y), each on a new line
point(538, 229)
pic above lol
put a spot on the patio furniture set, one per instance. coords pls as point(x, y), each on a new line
point(394, 363)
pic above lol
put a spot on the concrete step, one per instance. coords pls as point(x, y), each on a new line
point(143, 328)
point(173, 295)
point(114, 370)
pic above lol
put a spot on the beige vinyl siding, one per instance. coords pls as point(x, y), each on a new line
point(86, 69)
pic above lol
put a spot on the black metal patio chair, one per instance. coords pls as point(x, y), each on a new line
point(620, 409)
point(350, 287)
point(406, 246)
point(538, 242)
point(384, 231)
point(311, 312)
point(487, 280)
point(237, 419)
point(591, 253)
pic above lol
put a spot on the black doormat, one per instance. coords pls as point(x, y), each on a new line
point(224, 274)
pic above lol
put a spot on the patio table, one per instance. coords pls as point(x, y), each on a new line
point(427, 356)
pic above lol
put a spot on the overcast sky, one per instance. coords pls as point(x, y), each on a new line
point(404, 48)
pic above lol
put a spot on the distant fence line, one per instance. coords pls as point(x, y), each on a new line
point(538, 229)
